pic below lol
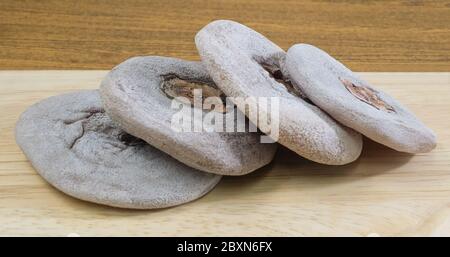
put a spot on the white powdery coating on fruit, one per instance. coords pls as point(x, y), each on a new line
point(232, 54)
point(320, 77)
point(132, 96)
point(75, 146)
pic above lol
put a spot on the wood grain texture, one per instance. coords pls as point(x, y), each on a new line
point(396, 35)
point(384, 192)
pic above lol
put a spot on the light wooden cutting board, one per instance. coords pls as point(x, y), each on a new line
point(383, 193)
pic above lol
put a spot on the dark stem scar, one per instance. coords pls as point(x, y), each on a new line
point(130, 140)
point(124, 138)
point(175, 86)
point(276, 73)
point(367, 95)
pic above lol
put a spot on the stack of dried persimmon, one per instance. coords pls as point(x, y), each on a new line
point(118, 146)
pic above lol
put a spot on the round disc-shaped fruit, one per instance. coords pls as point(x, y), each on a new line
point(77, 148)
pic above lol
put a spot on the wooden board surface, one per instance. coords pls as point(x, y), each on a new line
point(397, 35)
point(383, 193)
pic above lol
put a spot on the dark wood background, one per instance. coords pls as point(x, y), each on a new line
point(395, 35)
